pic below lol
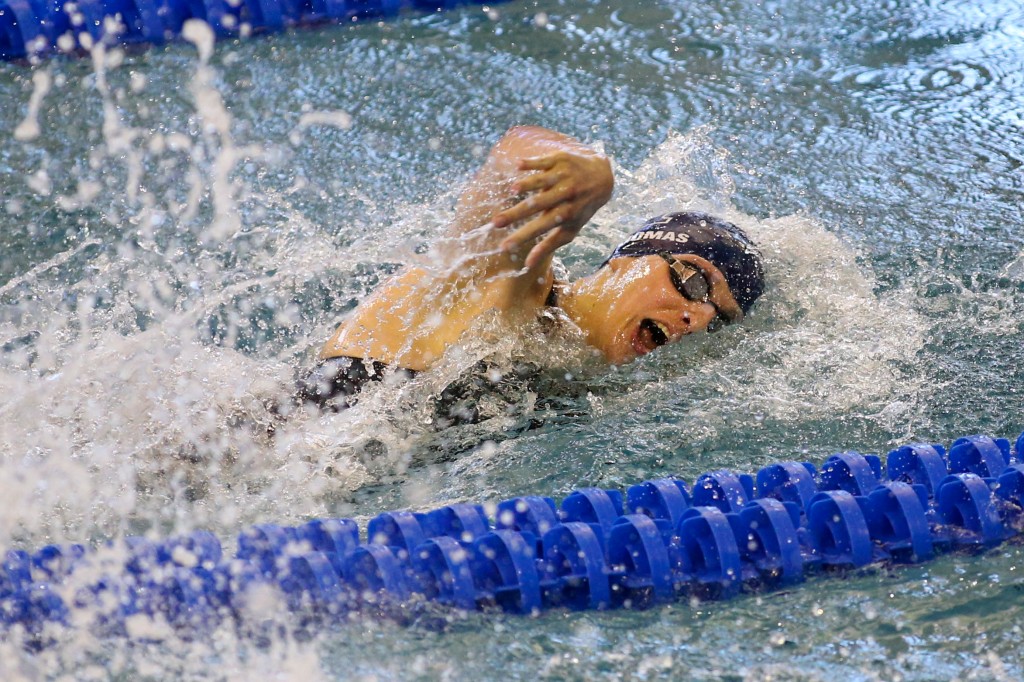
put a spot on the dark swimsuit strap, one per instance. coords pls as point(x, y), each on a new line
point(552, 300)
point(335, 381)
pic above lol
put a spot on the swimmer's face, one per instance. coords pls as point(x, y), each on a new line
point(645, 309)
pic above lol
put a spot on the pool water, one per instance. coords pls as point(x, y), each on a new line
point(180, 231)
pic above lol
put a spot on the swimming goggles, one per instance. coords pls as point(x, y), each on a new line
point(693, 284)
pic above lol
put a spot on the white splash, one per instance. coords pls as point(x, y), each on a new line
point(338, 119)
point(29, 128)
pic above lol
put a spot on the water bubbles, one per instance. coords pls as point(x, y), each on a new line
point(1015, 268)
point(137, 81)
point(87, 191)
point(29, 128)
point(76, 17)
point(112, 26)
point(337, 118)
point(200, 34)
point(39, 182)
point(66, 42)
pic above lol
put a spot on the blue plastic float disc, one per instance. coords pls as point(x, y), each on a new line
point(192, 599)
point(140, 19)
point(664, 499)
point(224, 16)
point(264, 545)
point(198, 548)
point(722, 489)
point(594, 506)
point(574, 557)
point(979, 455)
point(364, 9)
point(534, 515)
point(44, 605)
point(839, 530)
point(313, 582)
point(897, 520)
point(53, 20)
point(264, 15)
point(788, 482)
point(505, 564)
point(55, 562)
point(637, 550)
point(143, 555)
point(965, 501)
point(174, 13)
point(375, 572)
point(304, 11)
point(240, 577)
point(1010, 486)
point(20, 29)
point(461, 522)
point(918, 463)
point(442, 564)
point(16, 572)
point(767, 539)
point(92, 14)
point(707, 553)
point(330, 536)
point(853, 472)
point(401, 530)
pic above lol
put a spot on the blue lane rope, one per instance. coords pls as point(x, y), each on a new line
point(31, 28)
point(598, 549)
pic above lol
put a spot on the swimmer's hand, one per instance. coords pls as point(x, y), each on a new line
point(563, 194)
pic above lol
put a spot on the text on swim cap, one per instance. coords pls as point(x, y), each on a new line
point(660, 235)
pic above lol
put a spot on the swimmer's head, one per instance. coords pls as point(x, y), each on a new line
point(679, 274)
point(712, 239)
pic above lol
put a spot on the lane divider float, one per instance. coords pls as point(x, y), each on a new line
point(37, 28)
point(659, 542)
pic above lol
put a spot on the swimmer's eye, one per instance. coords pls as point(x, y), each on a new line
point(658, 337)
point(693, 285)
point(688, 280)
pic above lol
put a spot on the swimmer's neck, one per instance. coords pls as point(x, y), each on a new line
point(585, 301)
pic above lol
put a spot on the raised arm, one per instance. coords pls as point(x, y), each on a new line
point(539, 185)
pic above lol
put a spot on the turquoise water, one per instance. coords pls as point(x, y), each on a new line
point(180, 236)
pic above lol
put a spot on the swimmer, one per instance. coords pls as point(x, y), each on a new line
point(678, 274)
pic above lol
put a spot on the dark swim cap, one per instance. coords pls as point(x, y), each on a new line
point(711, 238)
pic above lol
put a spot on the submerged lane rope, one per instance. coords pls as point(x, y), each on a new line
point(599, 549)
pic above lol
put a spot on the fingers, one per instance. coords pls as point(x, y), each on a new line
point(537, 181)
point(533, 229)
point(533, 205)
point(547, 246)
point(540, 162)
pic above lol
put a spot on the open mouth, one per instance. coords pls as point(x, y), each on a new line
point(654, 332)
